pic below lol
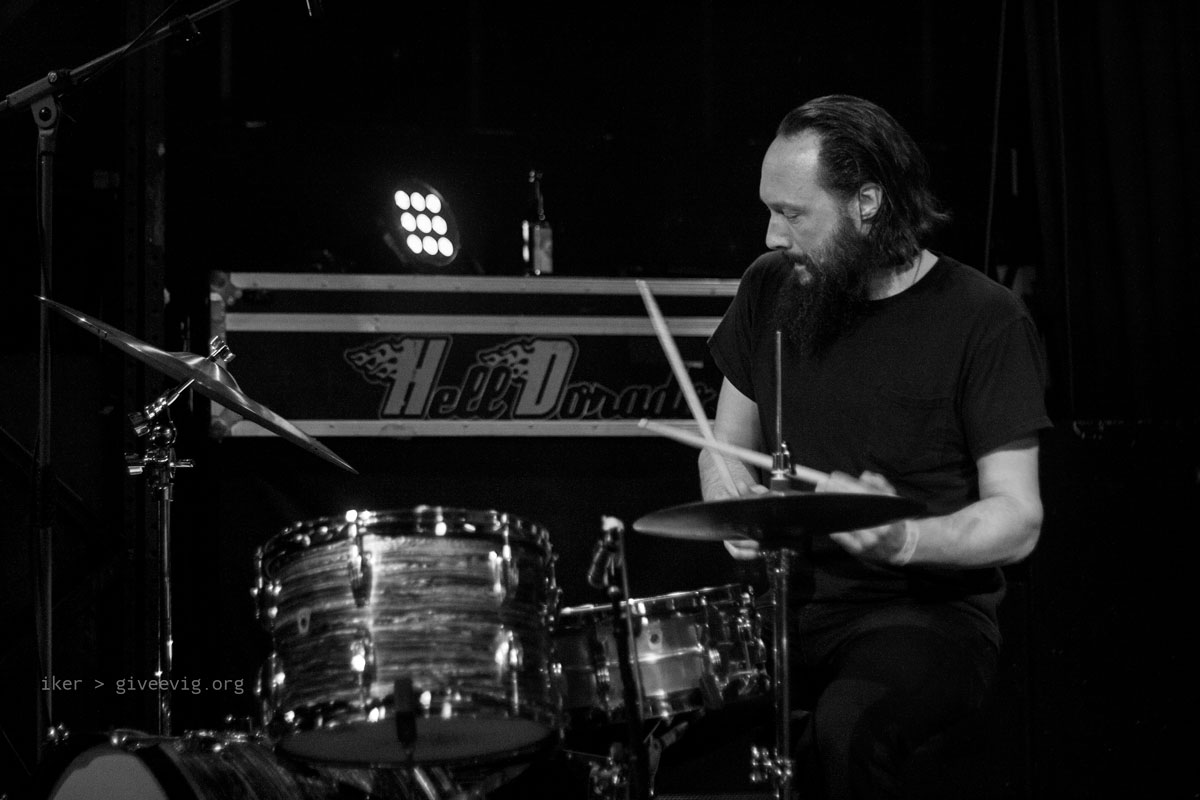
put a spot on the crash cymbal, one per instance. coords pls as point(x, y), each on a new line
point(213, 380)
point(777, 517)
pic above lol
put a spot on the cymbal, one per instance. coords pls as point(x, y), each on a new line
point(213, 380)
point(777, 517)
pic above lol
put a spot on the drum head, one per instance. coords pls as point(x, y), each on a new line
point(104, 771)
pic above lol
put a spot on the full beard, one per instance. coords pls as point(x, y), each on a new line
point(816, 308)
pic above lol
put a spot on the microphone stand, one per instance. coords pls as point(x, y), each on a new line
point(43, 98)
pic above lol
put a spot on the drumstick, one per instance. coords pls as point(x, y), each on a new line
point(685, 381)
point(750, 457)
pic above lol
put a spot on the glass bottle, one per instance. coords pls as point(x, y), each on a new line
point(537, 237)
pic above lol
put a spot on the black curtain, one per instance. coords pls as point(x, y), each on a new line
point(1114, 92)
point(1115, 107)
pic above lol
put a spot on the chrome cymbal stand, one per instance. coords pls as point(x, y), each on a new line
point(632, 775)
point(153, 424)
point(777, 765)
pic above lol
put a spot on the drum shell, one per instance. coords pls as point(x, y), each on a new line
point(456, 603)
point(694, 650)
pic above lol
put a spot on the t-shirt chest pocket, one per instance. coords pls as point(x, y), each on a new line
point(912, 432)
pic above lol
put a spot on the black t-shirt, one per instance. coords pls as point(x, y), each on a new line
point(925, 383)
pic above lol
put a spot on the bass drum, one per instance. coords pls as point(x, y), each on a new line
point(410, 636)
point(200, 765)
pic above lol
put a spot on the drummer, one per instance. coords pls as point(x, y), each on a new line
point(903, 371)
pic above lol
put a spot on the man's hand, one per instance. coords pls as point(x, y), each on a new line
point(891, 544)
point(745, 549)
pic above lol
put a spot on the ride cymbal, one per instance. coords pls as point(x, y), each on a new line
point(777, 518)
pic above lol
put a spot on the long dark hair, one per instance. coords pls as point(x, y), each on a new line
point(862, 143)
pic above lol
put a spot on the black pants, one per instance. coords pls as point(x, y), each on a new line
point(881, 681)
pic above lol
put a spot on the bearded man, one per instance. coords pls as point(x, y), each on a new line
point(903, 371)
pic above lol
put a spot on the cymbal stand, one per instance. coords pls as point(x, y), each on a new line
point(632, 763)
point(777, 765)
point(153, 423)
point(781, 459)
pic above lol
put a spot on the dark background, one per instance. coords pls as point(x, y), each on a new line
point(1061, 135)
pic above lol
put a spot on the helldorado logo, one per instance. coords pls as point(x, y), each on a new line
point(525, 378)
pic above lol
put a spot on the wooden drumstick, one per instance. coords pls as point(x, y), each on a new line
point(684, 380)
point(751, 457)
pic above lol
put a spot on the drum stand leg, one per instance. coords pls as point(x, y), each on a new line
point(154, 423)
point(777, 765)
point(160, 462)
point(634, 773)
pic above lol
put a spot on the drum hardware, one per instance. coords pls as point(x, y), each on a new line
point(600, 674)
point(781, 458)
point(608, 774)
point(630, 770)
point(362, 662)
point(242, 725)
point(160, 462)
point(359, 566)
point(153, 424)
point(505, 578)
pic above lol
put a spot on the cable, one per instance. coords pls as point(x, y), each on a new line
point(1056, 39)
point(992, 166)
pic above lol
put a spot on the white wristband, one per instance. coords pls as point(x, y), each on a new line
point(911, 537)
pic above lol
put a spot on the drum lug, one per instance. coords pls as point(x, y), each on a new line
point(360, 571)
point(204, 742)
point(56, 735)
point(599, 659)
point(712, 657)
point(504, 572)
point(265, 594)
point(553, 594)
point(362, 661)
point(755, 649)
point(266, 684)
point(510, 658)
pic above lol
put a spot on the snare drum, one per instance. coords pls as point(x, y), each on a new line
point(410, 636)
point(694, 650)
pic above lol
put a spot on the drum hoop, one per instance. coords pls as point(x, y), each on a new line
point(675, 601)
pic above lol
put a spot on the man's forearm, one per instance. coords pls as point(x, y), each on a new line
point(712, 485)
point(990, 532)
